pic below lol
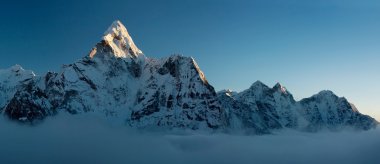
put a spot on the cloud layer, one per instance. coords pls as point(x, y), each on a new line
point(86, 139)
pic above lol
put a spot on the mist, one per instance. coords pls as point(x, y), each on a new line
point(88, 139)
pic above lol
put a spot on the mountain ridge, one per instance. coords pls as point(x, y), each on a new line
point(118, 81)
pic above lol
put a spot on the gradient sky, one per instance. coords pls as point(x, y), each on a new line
point(306, 45)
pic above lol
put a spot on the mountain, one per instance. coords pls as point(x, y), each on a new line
point(246, 117)
point(275, 108)
point(11, 80)
point(118, 82)
point(326, 110)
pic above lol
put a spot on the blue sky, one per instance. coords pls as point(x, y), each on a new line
point(306, 45)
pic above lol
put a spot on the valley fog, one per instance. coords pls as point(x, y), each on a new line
point(87, 139)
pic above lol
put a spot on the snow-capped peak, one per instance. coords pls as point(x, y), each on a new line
point(16, 70)
point(327, 93)
point(280, 87)
point(119, 40)
point(258, 83)
point(10, 78)
point(228, 92)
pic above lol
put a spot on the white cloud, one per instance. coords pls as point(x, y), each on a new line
point(83, 139)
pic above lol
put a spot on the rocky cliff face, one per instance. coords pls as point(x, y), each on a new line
point(118, 82)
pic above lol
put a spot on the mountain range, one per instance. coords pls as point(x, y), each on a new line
point(119, 83)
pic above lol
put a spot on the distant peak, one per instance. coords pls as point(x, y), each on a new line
point(228, 92)
point(327, 92)
point(120, 42)
point(280, 87)
point(177, 57)
point(16, 68)
point(257, 83)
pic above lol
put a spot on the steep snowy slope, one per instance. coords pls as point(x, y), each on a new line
point(116, 80)
point(10, 80)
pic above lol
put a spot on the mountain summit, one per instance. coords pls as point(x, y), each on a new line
point(279, 87)
point(118, 41)
point(116, 81)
